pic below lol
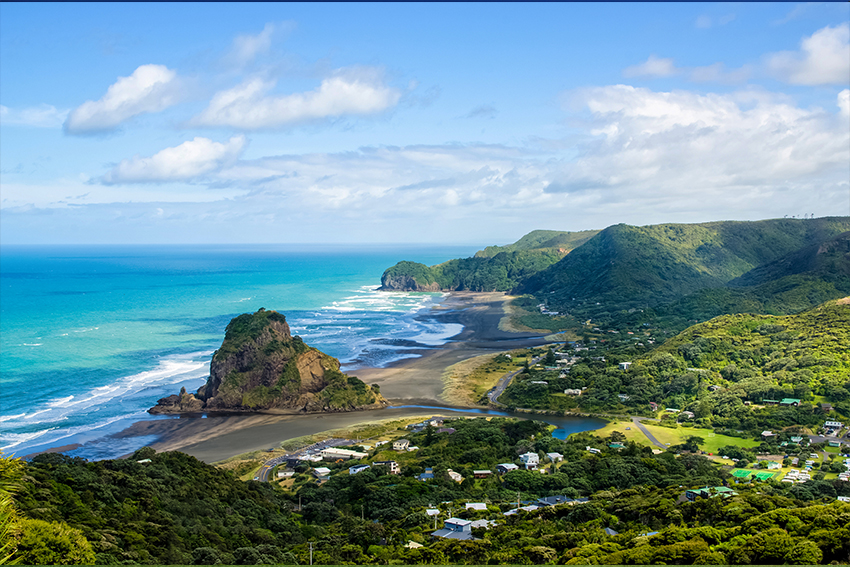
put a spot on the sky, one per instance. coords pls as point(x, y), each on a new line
point(415, 123)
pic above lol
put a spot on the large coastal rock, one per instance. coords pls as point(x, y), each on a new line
point(261, 366)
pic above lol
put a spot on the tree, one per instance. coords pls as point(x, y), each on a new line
point(53, 543)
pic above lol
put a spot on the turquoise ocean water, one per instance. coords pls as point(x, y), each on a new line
point(91, 337)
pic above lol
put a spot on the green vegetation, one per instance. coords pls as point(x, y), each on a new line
point(720, 371)
point(169, 508)
point(638, 267)
point(496, 268)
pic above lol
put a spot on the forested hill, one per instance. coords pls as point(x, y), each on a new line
point(496, 268)
point(648, 266)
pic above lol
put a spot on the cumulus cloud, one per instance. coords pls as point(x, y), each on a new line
point(652, 67)
point(43, 116)
point(823, 59)
point(707, 152)
point(250, 106)
point(844, 102)
point(151, 88)
point(187, 161)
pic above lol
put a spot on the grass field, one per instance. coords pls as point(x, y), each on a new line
point(469, 380)
point(713, 441)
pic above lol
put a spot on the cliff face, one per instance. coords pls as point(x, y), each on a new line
point(404, 282)
point(260, 365)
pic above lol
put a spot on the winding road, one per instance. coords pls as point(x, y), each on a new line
point(505, 381)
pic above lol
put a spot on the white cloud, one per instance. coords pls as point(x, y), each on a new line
point(652, 67)
point(707, 152)
point(151, 88)
point(703, 22)
point(248, 47)
point(43, 116)
point(249, 106)
point(844, 102)
point(823, 59)
point(189, 160)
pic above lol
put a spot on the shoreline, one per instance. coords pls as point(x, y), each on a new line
point(406, 382)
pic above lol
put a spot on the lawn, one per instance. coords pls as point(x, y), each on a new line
point(632, 434)
point(713, 441)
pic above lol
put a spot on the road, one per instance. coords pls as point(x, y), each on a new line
point(505, 381)
point(637, 421)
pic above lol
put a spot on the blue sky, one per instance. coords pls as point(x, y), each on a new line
point(463, 123)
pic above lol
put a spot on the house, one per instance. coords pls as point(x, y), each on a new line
point(554, 501)
point(529, 508)
point(773, 465)
point(455, 528)
point(413, 545)
point(448, 430)
point(427, 475)
point(486, 524)
point(653, 406)
point(555, 457)
point(768, 434)
point(790, 402)
point(334, 453)
point(686, 415)
point(843, 498)
point(432, 511)
point(285, 474)
point(825, 407)
point(833, 424)
point(592, 450)
point(769, 402)
point(572, 392)
point(672, 410)
point(609, 531)
point(482, 473)
point(476, 506)
point(392, 466)
point(624, 365)
point(322, 473)
point(401, 444)
point(835, 443)
point(530, 460)
point(544, 382)
point(797, 439)
point(616, 445)
point(707, 492)
point(506, 468)
point(624, 397)
point(357, 468)
point(713, 388)
point(457, 477)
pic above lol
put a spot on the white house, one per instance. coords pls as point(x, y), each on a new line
point(555, 457)
point(401, 444)
point(455, 528)
point(476, 506)
point(624, 365)
point(392, 466)
point(454, 475)
point(357, 468)
point(572, 392)
point(506, 467)
point(530, 460)
point(322, 473)
point(334, 453)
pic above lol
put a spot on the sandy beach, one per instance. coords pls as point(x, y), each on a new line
point(413, 381)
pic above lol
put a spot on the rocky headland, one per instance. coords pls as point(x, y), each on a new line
point(261, 366)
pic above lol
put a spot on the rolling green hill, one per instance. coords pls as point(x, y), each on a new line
point(496, 268)
point(627, 266)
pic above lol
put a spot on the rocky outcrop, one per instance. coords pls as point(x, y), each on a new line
point(261, 366)
point(406, 283)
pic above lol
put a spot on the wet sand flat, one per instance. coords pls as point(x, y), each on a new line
point(414, 381)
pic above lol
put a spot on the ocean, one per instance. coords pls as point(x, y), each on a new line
point(92, 336)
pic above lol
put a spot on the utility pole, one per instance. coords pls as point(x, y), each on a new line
point(311, 553)
point(362, 517)
point(517, 500)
